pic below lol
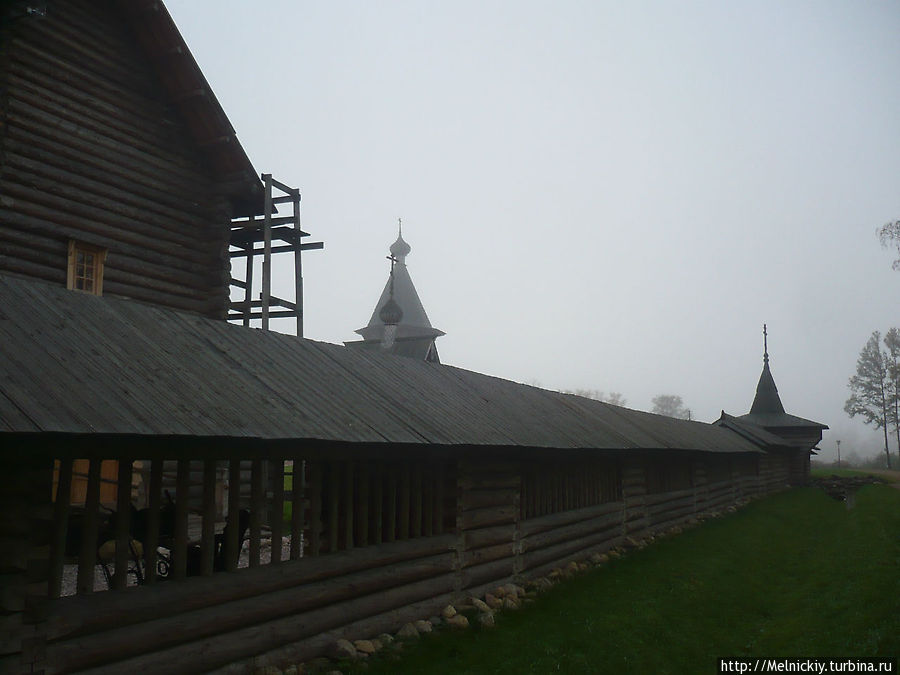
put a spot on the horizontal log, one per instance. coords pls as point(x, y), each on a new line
point(673, 515)
point(493, 515)
point(549, 522)
point(224, 648)
point(488, 536)
point(44, 148)
point(81, 615)
point(566, 550)
point(661, 507)
point(488, 481)
point(584, 528)
point(669, 496)
point(601, 547)
point(487, 554)
point(139, 225)
point(165, 217)
point(30, 269)
point(490, 572)
point(155, 141)
point(20, 111)
point(115, 644)
point(477, 499)
point(317, 645)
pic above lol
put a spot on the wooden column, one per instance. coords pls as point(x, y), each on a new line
point(87, 557)
point(276, 517)
point(315, 508)
point(298, 506)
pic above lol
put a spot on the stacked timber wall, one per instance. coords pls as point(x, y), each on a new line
point(91, 151)
point(368, 546)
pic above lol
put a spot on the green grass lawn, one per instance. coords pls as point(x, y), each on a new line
point(794, 575)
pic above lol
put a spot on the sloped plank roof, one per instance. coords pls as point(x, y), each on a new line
point(76, 363)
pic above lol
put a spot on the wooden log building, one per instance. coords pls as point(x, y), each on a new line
point(413, 483)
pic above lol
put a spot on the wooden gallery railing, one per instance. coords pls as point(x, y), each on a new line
point(362, 545)
point(310, 550)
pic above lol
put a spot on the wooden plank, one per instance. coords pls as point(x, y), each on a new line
point(232, 536)
point(348, 500)
point(428, 501)
point(123, 525)
point(276, 517)
point(315, 511)
point(60, 526)
point(257, 505)
point(151, 542)
point(438, 513)
point(298, 508)
point(362, 501)
point(182, 489)
point(334, 486)
point(404, 505)
point(488, 536)
point(415, 525)
point(487, 554)
point(378, 502)
point(87, 558)
point(392, 504)
point(208, 526)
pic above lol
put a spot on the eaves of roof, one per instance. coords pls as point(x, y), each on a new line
point(80, 364)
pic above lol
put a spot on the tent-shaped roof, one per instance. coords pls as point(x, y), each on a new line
point(414, 323)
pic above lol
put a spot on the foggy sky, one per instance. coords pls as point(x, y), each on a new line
point(610, 196)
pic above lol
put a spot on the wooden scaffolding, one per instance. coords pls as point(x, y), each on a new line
point(247, 234)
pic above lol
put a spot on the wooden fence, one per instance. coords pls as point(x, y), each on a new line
point(369, 544)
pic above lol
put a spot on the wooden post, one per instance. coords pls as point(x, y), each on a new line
point(276, 519)
point(438, 514)
point(154, 498)
point(363, 505)
point(123, 524)
point(415, 526)
point(404, 500)
point(257, 503)
point(87, 558)
point(60, 526)
point(208, 524)
point(378, 502)
point(248, 280)
point(298, 267)
point(315, 508)
point(349, 498)
point(232, 540)
point(428, 502)
point(267, 252)
point(182, 495)
point(298, 506)
point(392, 503)
point(334, 486)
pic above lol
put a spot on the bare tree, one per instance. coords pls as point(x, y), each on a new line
point(889, 236)
point(613, 397)
point(892, 368)
point(670, 405)
point(869, 389)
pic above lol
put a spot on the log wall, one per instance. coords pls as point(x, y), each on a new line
point(91, 150)
point(369, 545)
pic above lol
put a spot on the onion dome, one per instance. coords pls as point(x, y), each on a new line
point(400, 249)
point(390, 313)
